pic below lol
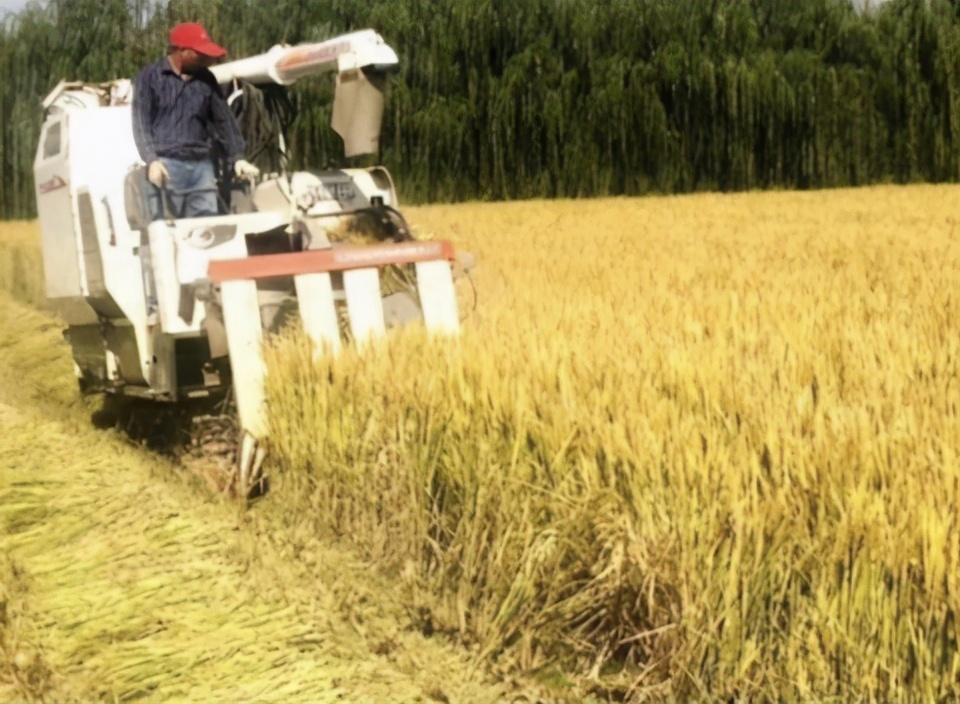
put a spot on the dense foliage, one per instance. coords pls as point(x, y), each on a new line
point(498, 99)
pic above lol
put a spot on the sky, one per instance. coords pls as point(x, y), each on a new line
point(12, 5)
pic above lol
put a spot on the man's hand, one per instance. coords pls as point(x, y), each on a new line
point(244, 169)
point(157, 173)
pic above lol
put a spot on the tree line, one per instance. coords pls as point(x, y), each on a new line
point(505, 99)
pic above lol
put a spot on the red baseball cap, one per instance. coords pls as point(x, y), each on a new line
point(190, 35)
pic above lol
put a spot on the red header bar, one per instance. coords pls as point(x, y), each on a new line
point(325, 260)
point(300, 60)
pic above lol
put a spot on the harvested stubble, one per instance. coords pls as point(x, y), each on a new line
point(691, 447)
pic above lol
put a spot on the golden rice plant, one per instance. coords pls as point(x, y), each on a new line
point(21, 265)
point(693, 447)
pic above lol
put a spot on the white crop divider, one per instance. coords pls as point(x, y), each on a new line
point(241, 318)
point(318, 312)
point(438, 297)
point(362, 289)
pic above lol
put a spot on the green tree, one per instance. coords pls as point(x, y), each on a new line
point(503, 99)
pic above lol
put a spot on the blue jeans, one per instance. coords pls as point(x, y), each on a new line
point(192, 190)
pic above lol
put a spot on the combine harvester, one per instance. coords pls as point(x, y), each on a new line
point(174, 310)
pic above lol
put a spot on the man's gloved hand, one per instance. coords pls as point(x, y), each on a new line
point(244, 169)
point(157, 173)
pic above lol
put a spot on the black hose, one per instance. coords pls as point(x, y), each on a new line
point(265, 114)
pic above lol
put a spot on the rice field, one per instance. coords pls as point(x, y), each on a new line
point(687, 448)
point(691, 447)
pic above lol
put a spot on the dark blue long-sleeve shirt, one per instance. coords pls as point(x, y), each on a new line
point(181, 119)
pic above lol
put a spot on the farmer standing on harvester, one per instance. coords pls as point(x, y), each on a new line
point(180, 120)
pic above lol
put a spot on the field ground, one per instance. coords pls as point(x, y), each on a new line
point(688, 448)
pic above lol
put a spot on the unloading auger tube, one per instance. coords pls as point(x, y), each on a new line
point(361, 61)
point(171, 313)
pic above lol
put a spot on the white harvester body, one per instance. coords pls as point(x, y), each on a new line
point(150, 305)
